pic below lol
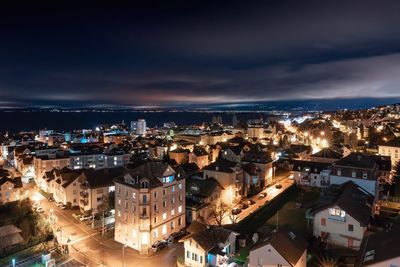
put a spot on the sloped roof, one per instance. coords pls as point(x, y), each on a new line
point(211, 237)
point(251, 168)
point(395, 142)
point(357, 160)
point(288, 244)
point(353, 200)
point(202, 187)
point(329, 153)
point(102, 177)
point(379, 247)
point(221, 165)
point(256, 156)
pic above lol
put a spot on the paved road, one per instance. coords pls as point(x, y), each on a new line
point(90, 248)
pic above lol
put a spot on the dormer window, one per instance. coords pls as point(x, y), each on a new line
point(168, 179)
point(144, 184)
point(365, 175)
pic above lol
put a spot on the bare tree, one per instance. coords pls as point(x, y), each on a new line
point(219, 211)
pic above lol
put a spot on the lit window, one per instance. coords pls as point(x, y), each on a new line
point(145, 239)
point(155, 233)
point(164, 229)
point(119, 213)
point(180, 209)
point(172, 212)
point(173, 189)
point(164, 216)
point(354, 174)
point(180, 186)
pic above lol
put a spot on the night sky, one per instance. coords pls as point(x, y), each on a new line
point(197, 52)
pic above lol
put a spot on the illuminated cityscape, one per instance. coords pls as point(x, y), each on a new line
point(200, 134)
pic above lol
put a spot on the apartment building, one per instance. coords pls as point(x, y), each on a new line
point(363, 169)
point(391, 148)
point(95, 188)
point(149, 205)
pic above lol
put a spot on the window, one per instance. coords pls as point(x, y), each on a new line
point(173, 189)
point(350, 228)
point(179, 221)
point(337, 214)
point(180, 198)
point(365, 175)
point(155, 219)
point(323, 221)
point(353, 174)
point(339, 172)
point(155, 233)
point(164, 229)
point(155, 206)
point(163, 192)
point(172, 225)
point(126, 205)
point(188, 254)
point(126, 192)
point(134, 195)
point(180, 209)
point(144, 199)
point(173, 200)
point(164, 216)
point(155, 194)
point(164, 204)
point(144, 212)
point(172, 212)
point(201, 259)
point(180, 186)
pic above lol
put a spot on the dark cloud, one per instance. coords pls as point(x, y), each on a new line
point(198, 52)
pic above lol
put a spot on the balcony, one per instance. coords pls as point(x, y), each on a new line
point(84, 202)
point(84, 194)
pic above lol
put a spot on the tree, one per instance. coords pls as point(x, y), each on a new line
point(219, 211)
point(397, 169)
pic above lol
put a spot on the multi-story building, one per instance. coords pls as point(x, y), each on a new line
point(363, 169)
point(310, 173)
point(149, 205)
point(141, 127)
point(46, 163)
point(10, 189)
point(199, 156)
point(95, 188)
point(263, 161)
point(391, 148)
point(229, 175)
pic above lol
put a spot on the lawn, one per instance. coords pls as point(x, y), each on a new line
point(292, 216)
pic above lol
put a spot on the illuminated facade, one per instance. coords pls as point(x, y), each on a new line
point(149, 205)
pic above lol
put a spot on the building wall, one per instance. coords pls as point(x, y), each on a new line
point(191, 247)
point(391, 263)
point(231, 192)
point(338, 230)
point(140, 231)
point(391, 151)
point(266, 256)
point(8, 193)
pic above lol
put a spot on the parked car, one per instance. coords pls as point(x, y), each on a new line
point(250, 202)
point(236, 211)
point(278, 186)
point(243, 206)
point(85, 217)
point(262, 195)
point(159, 245)
point(173, 237)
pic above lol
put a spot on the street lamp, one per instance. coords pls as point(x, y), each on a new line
point(123, 254)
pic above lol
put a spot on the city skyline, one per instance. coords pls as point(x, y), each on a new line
point(197, 53)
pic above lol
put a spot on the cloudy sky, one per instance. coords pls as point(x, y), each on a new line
point(198, 52)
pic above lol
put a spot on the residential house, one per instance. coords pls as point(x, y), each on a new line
point(95, 188)
point(10, 189)
point(310, 173)
point(229, 175)
point(263, 160)
point(66, 187)
point(253, 181)
point(202, 195)
point(327, 155)
point(199, 156)
point(209, 246)
point(180, 155)
point(391, 148)
point(380, 249)
point(344, 219)
point(281, 248)
point(363, 169)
